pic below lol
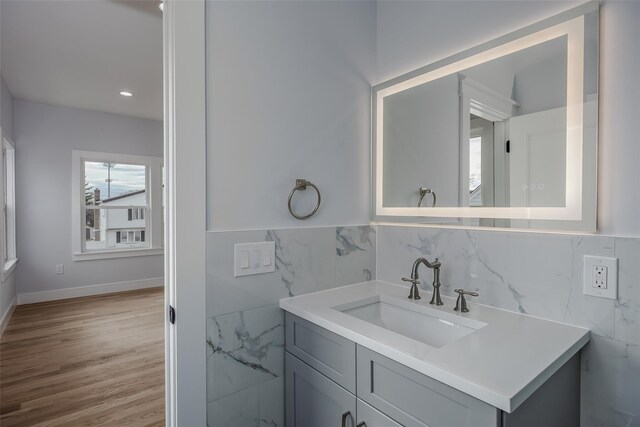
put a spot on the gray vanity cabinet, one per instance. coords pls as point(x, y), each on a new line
point(329, 378)
point(416, 400)
point(326, 352)
point(371, 417)
point(313, 400)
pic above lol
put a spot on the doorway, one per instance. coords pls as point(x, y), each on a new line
point(83, 306)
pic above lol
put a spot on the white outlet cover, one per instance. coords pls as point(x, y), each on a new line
point(611, 292)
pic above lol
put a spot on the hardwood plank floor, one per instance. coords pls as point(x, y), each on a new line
point(85, 362)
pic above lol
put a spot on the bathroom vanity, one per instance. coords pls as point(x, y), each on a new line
point(366, 355)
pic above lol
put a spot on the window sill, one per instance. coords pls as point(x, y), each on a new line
point(9, 266)
point(117, 253)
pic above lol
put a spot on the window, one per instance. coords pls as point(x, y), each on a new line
point(9, 255)
point(118, 204)
point(130, 236)
point(134, 214)
point(475, 168)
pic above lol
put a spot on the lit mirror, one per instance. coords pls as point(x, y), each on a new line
point(503, 134)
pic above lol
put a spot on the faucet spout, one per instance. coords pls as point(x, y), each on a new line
point(435, 266)
point(414, 270)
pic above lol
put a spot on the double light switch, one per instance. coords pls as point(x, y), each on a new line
point(254, 258)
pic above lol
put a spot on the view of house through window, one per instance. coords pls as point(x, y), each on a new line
point(115, 205)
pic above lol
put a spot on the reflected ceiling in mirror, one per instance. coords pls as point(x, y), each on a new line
point(503, 134)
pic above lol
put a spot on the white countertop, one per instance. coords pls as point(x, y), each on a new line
point(501, 363)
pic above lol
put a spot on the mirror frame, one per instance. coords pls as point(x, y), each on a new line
point(570, 23)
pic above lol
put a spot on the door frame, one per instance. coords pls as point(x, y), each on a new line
point(185, 210)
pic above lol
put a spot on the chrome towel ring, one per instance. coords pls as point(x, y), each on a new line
point(423, 192)
point(301, 184)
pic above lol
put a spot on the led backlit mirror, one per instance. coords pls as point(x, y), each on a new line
point(503, 134)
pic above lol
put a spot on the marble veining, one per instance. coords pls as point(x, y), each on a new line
point(516, 295)
point(541, 274)
point(282, 266)
point(249, 346)
point(352, 239)
point(538, 274)
point(245, 331)
point(245, 348)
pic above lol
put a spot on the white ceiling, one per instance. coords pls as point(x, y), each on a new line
point(83, 53)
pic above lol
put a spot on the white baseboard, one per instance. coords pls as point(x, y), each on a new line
point(6, 316)
point(85, 291)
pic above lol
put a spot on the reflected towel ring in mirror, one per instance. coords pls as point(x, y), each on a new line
point(423, 192)
point(301, 184)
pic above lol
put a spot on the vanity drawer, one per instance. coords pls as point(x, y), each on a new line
point(415, 400)
point(371, 417)
point(328, 353)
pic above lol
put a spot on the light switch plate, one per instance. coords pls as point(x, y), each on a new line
point(253, 258)
point(600, 277)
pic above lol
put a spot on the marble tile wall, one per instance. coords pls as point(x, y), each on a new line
point(245, 327)
point(541, 275)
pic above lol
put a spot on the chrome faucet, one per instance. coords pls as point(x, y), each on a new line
point(413, 293)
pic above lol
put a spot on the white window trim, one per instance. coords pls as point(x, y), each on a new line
point(154, 202)
point(11, 257)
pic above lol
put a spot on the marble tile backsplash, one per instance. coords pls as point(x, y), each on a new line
point(533, 273)
point(541, 275)
point(245, 326)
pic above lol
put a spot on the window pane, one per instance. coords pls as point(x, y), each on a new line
point(114, 183)
point(475, 171)
point(103, 226)
point(5, 192)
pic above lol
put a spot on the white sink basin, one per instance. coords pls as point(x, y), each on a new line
point(432, 327)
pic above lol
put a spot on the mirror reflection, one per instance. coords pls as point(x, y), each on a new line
point(514, 147)
point(509, 135)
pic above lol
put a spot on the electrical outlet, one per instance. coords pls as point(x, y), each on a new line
point(600, 277)
point(59, 268)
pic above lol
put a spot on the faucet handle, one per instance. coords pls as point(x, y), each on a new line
point(414, 293)
point(463, 292)
point(461, 302)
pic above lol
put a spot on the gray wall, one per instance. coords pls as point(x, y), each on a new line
point(288, 88)
point(418, 123)
point(413, 34)
point(8, 286)
point(6, 109)
point(45, 136)
point(288, 97)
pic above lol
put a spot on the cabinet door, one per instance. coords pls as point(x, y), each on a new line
point(415, 400)
point(368, 416)
point(326, 352)
point(313, 400)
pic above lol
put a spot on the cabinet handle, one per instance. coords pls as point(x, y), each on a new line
point(362, 424)
point(344, 418)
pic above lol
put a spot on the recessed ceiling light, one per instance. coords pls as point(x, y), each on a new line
point(125, 93)
point(161, 6)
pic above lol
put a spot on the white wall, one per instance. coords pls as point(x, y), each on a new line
point(45, 136)
point(414, 34)
point(619, 147)
point(8, 286)
point(288, 97)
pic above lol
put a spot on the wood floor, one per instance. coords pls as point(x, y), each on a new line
point(86, 361)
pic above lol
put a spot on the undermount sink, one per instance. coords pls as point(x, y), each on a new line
point(432, 327)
